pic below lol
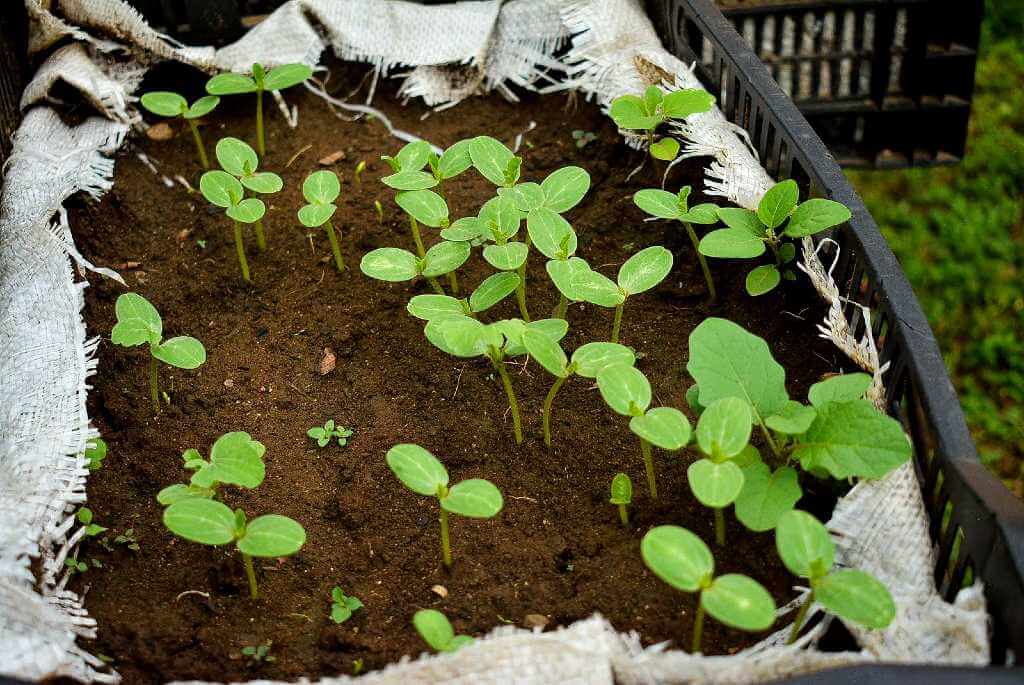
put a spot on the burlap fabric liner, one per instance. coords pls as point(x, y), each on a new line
point(46, 359)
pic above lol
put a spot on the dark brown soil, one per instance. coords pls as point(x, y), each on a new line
point(557, 549)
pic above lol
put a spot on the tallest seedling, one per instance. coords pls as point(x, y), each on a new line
point(278, 78)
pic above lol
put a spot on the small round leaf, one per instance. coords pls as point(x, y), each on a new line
point(739, 602)
point(248, 211)
point(625, 389)
point(724, 428)
point(474, 498)
point(445, 257)
point(315, 215)
point(731, 243)
point(263, 182)
point(418, 469)
point(236, 157)
point(425, 206)
point(507, 257)
point(434, 627)
point(793, 419)
point(644, 270)
point(390, 264)
point(413, 155)
point(622, 489)
point(715, 485)
point(766, 496)
point(164, 103)
point(762, 279)
point(564, 272)
point(220, 188)
point(677, 557)
point(665, 149)
point(138, 321)
point(321, 187)
point(842, 388)
point(663, 427)
point(856, 596)
point(804, 544)
point(564, 188)
point(272, 535)
point(183, 352)
point(592, 358)
point(201, 520)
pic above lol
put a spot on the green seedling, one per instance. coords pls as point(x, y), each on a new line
point(682, 560)
point(138, 322)
point(587, 361)
point(778, 221)
point(358, 174)
point(343, 606)
point(421, 472)
point(494, 161)
point(240, 160)
point(665, 205)
point(622, 496)
point(324, 434)
point(436, 630)
point(224, 190)
point(380, 211)
point(235, 459)
point(853, 595)
point(641, 272)
point(583, 138)
point(85, 517)
point(259, 653)
point(209, 522)
point(490, 292)
point(628, 392)
point(321, 189)
point(278, 78)
point(167, 104)
point(128, 539)
point(77, 565)
point(95, 453)
point(394, 265)
point(646, 113)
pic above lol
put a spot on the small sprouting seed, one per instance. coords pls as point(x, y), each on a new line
point(622, 495)
point(380, 211)
point(343, 606)
point(358, 174)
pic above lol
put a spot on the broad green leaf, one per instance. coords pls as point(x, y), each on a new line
point(739, 602)
point(628, 112)
point(747, 458)
point(856, 596)
point(493, 290)
point(526, 196)
point(793, 419)
point(724, 428)
point(853, 439)
point(434, 628)
point(693, 399)
point(315, 215)
point(804, 544)
point(454, 160)
point(547, 352)
point(237, 459)
point(321, 187)
point(596, 288)
point(465, 229)
point(475, 498)
point(202, 107)
point(444, 257)
point(491, 158)
point(663, 427)
point(459, 336)
point(272, 535)
point(137, 321)
point(551, 234)
point(814, 216)
point(286, 76)
point(418, 469)
point(564, 188)
point(731, 243)
point(677, 557)
point(594, 357)
point(778, 203)
point(659, 203)
point(766, 496)
point(665, 149)
point(236, 157)
point(762, 279)
point(230, 84)
point(500, 214)
point(644, 270)
point(507, 257)
point(680, 104)
point(390, 264)
point(427, 307)
point(727, 361)
point(410, 180)
point(220, 188)
point(164, 103)
point(263, 182)
point(704, 213)
point(248, 211)
point(622, 489)
point(425, 206)
point(413, 156)
point(842, 388)
point(563, 272)
point(201, 520)
point(183, 352)
point(786, 253)
point(742, 220)
point(625, 389)
point(180, 491)
point(715, 485)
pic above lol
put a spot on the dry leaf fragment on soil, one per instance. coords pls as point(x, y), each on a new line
point(332, 158)
point(161, 131)
point(535, 621)
point(440, 590)
point(327, 362)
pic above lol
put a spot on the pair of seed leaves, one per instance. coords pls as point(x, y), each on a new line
point(225, 188)
point(393, 264)
point(579, 283)
point(490, 292)
point(749, 232)
point(408, 165)
point(807, 550)
point(321, 189)
point(139, 322)
point(210, 522)
point(235, 459)
point(622, 489)
point(421, 472)
point(665, 205)
point(278, 78)
point(462, 336)
point(628, 392)
point(681, 559)
point(436, 630)
point(646, 113)
point(169, 104)
point(342, 605)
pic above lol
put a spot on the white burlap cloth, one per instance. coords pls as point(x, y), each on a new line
point(45, 358)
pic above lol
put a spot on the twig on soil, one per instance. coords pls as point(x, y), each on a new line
point(296, 155)
point(205, 595)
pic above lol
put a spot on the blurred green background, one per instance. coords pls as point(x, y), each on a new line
point(959, 233)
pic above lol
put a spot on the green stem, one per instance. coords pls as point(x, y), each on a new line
point(453, 282)
point(436, 286)
point(547, 408)
point(774, 245)
point(769, 439)
point(698, 628)
point(617, 322)
point(521, 293)
point(199, 143)
point(623, 516)
point(260, 144)
point(335, 247)
point(719, 527)
point(154, 392)
point(250, 573)
point(801, 614)
point(703, 261)
point(645, 450)
point(513, 404)
point(420, 252)
point(240, 249)
point(563, 306)
point(446, 548)
point(261, 241)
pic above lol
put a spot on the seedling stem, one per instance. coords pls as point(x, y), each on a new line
point(154, 394)
point(719, 527)
point(702, 259)
point(698, 628)
point(240, 249)
point(453, 282)
point(521, 293)
point(624, 515)
point(513, 404)
point(335, 248)
point(446, 548)
point(250, 573)
point(261, 241)
point(645, 450)
point(801, 614)
point(260, 144)
point(563, 305)
point(617, 322)
point(420, 251)
point(199, 143)
point(547, 408)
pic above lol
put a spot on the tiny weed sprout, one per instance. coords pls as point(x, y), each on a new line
point(646, 113)
point(343, 606)
point(138, 322)
point(682, 560)
point(664, 205)
point(778, 221)
point(85, 517)
point(259, 653)
point(583, 138)
point(324, 434)
point(224, 190)
point(627, 391)
point(380, 211)
point(394, 265)
point(622, 495)
point(436, 630)
point(321, 189)
point(240, 160)
point(490, 292)
point(235, 459)
point(210, 522)
point(421, 472)
point(278, 78)
point(358, 173)
point(128, 539)
point(807, 551)
point(95, 453)
point(641, 272)
point(167, 104)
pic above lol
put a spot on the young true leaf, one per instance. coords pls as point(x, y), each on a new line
point(793, 419)
point(648, 112)
point(95, 453)
point(665, 149)
point(138, 322)
point(167, 104)
point(421, 472)
point(343, 606)
point(329, 431)
point(436, 630)
point(762, 279)
point(766, 496)
point(235, 459)
point(622, 495)
point(842, 388)
point(778, 203)
point(852, 438)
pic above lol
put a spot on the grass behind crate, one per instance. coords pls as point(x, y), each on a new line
point(959, 233)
